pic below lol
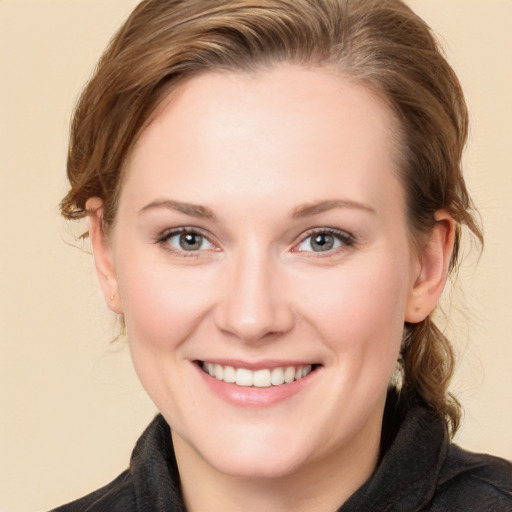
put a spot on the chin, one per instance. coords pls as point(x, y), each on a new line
point(267, 454)
point(259, 465)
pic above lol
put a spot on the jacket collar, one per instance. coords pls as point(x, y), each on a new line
point(156, 479)
point(414, 447)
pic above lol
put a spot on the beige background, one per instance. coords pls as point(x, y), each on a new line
point(71, 407)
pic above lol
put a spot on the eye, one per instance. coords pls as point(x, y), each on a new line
point(187, 240)
point(325, 240)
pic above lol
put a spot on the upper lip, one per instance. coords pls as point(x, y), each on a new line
point(257, 365)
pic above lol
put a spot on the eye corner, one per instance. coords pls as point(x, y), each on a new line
point(187, 241)
point(330, 241)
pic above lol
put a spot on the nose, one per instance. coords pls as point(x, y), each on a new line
point(253, 303)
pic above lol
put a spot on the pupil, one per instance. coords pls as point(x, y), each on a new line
point(190, 241)
point(322, 242)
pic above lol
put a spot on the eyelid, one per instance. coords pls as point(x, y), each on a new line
point(165, 235)
point(347, 239)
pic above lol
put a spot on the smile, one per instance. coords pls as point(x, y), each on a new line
point(261, 378)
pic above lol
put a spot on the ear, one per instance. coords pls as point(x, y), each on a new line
point(103, 257)
point(434, 260)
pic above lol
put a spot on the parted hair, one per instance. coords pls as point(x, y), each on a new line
point(381, 44)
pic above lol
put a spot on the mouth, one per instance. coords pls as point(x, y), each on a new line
point(259, 378)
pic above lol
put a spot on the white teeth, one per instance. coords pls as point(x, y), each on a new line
point(277, 377)
point(302, 372)
point(219, 372)
point(289, 374)
point(259, 378)
point(229, 374)
point(243, 377)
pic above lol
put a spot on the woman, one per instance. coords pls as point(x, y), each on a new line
point(275, 202)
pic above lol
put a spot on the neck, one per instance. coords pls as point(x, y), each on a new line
point(319, 486)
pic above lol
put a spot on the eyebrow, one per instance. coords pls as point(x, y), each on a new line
point(299, 212)
point(193, 210)
point(321, 206)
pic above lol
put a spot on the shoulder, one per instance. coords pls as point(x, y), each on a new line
point(474, 481)
point(117, 496)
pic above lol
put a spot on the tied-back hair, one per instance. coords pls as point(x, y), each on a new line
point(381, 44)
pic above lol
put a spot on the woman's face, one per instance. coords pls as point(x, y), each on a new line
point(261, 237)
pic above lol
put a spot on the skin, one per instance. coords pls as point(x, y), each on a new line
point(254, 151)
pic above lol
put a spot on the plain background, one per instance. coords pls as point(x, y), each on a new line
point(71, 406)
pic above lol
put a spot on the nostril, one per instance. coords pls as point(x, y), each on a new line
point(253, 305)
point(252, 326)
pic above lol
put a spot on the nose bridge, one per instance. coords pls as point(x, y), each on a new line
point(254, 302)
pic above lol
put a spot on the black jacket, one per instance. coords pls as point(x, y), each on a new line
point(419, 470)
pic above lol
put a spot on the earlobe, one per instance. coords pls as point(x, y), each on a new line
point(103, 257)
point(434, 261)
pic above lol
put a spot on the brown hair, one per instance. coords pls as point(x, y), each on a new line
point(379, 43)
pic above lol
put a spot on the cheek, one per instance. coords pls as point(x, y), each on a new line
point(163, 307)
point(162, 304)
point(359, 311)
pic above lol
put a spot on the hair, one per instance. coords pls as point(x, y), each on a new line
point(381, 44)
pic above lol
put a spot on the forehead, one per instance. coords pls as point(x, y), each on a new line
point(219, 135)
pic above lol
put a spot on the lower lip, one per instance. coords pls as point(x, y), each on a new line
point(243, 396)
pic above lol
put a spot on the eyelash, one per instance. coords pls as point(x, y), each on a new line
point(164, 238)
point(346, 240)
